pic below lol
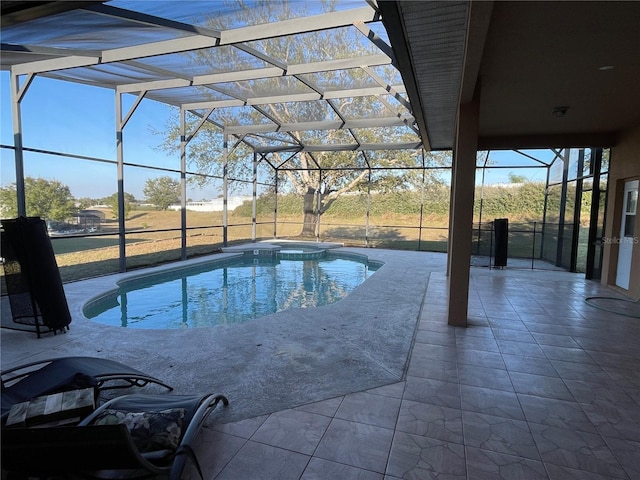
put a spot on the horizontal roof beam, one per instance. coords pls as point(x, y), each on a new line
point(53, 51)
point(176, 45)
point(343, 147)
point(319, 125)
point(53, 64)
point(335, 94)
point(339, 64)
point(267, 72)
point(283, 98)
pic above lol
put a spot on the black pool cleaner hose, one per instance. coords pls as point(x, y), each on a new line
point(591, 301)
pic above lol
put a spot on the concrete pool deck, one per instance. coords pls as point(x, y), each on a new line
point(541, 385)
point(279, 361)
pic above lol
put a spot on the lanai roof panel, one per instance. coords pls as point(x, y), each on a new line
point(226, 14)
point(311, 111)
point(327, 137)
point(388, 135)
point(367, 107)
point(272, 139)
point(87, 30)
point(237, 116)
point(317, 46)
point(109, 75)
point(262, 89)
point(281, 66)
point(204, 61)
point(188, 94)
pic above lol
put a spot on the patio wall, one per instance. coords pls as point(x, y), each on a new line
point(625, 165)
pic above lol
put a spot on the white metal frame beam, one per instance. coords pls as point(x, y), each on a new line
point(342, 147)
point(194, 37)
point(317, 125)
point(327, 95)
point(262, 73)
point(198, 41)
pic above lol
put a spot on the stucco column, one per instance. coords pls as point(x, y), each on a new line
point(461, 213)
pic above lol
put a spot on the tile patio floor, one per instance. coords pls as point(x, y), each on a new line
point(541, 385)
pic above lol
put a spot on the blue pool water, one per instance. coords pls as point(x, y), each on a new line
point(229, 292)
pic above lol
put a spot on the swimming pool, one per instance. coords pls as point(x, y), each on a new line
point(231, 291)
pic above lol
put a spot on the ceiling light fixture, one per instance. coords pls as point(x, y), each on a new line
point(604, 68)
point(559, 111)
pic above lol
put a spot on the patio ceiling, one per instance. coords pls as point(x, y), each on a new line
point(547, 74)
point(235, 67)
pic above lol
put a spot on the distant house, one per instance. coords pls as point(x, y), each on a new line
point(213, 205)
point(89, 220)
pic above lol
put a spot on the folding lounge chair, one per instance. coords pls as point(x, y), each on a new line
point(44, 377)
point(146, 434)
point(31, 275)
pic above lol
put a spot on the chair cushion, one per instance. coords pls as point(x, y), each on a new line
point(150, 431)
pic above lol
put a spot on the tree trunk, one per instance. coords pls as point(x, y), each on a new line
point(309, 212)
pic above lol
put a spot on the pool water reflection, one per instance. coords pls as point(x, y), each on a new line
point(229, 292)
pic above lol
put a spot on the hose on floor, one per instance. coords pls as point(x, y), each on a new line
point(593, 302)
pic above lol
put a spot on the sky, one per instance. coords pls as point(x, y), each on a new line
point(80, 120)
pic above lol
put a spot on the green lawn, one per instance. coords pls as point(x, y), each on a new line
point(154, 237)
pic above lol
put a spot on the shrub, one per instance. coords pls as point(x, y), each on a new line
point(524, 201)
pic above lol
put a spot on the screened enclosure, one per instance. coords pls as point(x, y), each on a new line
point(298, 108)
point(558, 198)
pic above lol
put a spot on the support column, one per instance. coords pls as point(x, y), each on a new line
point(461, 213)
point(122, 256)
point(254, 198)
point(368, 216)
point(275, 206)
point(596, 226)
point(225, 191)
point(183, 184)
point(17, 94)
point(319, 205)
point(577, 210)
point(563, 206)
point(184, 141)
point(121, 122)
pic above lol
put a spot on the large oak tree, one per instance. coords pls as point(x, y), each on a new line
point(319, 177)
